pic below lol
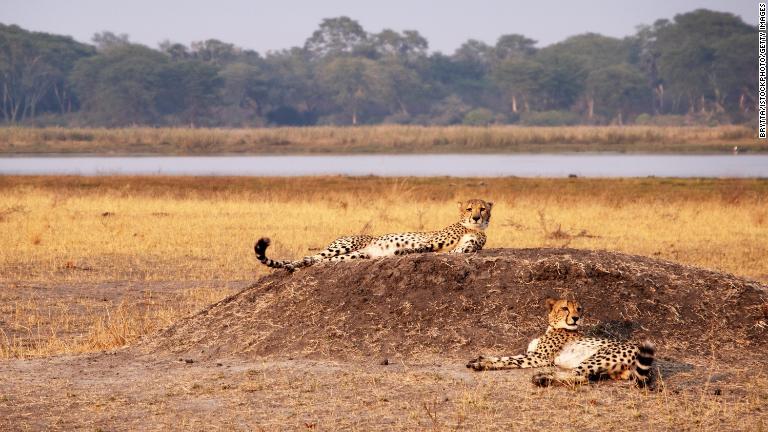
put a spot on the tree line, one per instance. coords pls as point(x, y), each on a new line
point(699, 67)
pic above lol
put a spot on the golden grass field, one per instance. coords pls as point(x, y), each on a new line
point(380, 139)
point(89, 264)
point(199, 232)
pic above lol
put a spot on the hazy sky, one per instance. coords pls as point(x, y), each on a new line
point(277, 24)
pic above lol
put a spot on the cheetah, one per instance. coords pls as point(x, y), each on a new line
point(465, 236)
point(579, 358)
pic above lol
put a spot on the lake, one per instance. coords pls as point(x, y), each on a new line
point(458, 165)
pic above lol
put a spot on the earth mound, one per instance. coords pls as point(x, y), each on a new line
point(459, 305)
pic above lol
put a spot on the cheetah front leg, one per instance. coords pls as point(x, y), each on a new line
point(470, 246)
point(523, 361)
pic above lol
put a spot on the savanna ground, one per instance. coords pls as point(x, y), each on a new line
point(90, 264)
point(379, 139)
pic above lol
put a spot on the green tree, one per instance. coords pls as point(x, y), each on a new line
point(406, 47)
point(466, 73)
point(593, 50)
point(645, 54)
point(245, 86)
point(562, 79)
point(214, 51)
point(175, 51)
point(475, 57)
point(521, 79)
point(134, 84)
point(617, 91)
point(514, 72)
point(701, 62)
point(33, 72)
point(567, 64)
point(185, 91)
point(107, 40)
point(696, 59)
point(399, 86)
point(447, 111)
point(734, 76)
point(293, 78)
point(355, 84)
point(479, 117)
point(119, 87)
point(337, 36)
point(514, 46)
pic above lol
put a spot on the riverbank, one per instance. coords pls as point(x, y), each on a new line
point(388, 139)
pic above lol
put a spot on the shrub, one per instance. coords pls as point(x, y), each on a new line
point(549, 118)
point(479, 117)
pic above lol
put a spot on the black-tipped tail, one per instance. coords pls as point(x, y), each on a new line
point(261, 253)
point(646, 354)
point(261, 248)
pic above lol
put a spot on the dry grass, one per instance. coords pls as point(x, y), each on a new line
point(72, 232)
point(78, 319)
point(177, 229)
point(271, 394)
point(83, 260)
point(379, 139)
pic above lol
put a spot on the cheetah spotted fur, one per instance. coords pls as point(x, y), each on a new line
point(577, 358)
point(465, 236)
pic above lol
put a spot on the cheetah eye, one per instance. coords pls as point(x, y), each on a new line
point(565, 308)
point(482, 209)
point(469, 208)
point(578, 309)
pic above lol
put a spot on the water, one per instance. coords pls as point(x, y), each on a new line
point(457, 165)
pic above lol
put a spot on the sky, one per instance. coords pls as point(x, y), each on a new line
point(277, 24)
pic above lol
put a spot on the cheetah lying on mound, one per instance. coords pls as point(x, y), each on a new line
point(464, 236)
point(579, 358)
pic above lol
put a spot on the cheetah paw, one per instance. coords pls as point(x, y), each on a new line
point(481, 363)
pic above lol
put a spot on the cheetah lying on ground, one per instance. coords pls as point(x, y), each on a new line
point(464, 236)
point(578, 357)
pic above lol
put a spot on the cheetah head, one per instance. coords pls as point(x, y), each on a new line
point(564, 314)
point(475, 213)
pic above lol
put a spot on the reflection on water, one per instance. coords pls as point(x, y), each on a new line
point(458, 165)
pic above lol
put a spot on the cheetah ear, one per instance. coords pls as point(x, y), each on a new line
point(490, 205)
point(461, 205)
point(550, 302)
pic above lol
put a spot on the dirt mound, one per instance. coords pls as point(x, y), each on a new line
point(457, 305)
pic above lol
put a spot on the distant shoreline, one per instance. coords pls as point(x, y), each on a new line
point(613, 165)
point(391, 139)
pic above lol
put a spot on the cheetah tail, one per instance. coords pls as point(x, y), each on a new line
point(261, 249)
point(644, 360)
